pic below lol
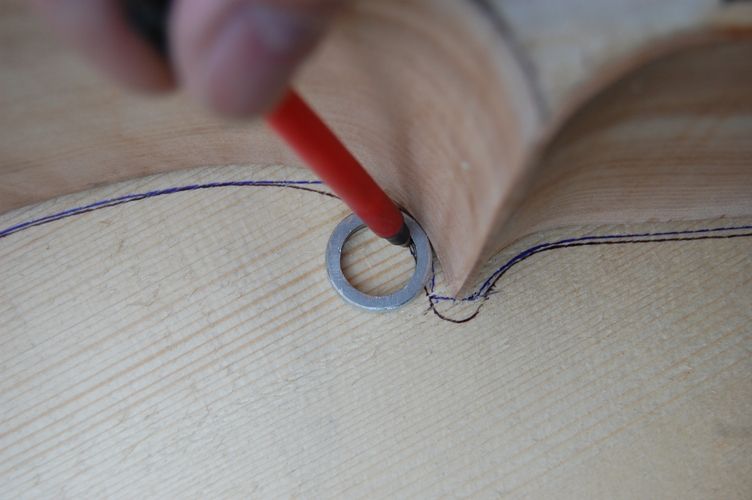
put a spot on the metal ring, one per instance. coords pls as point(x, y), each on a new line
point(342, 232)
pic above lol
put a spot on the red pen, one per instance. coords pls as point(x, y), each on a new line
point(304, 132)
point(319, 148)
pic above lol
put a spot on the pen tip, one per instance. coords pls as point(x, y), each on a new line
point(402, 238)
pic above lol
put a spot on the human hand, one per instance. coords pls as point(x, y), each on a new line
point(235, 56)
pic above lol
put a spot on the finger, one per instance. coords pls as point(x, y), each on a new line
point(237, 56)
point(98, 29)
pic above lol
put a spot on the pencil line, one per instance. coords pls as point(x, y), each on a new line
point(487, 287)
point(129, 198)
point(485, 293)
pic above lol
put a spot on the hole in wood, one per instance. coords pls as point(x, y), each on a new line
point(374, 266)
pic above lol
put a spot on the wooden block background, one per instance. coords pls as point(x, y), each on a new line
point(190, 346)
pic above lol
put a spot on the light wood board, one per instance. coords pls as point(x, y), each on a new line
point(189, 345)
point(485, 123)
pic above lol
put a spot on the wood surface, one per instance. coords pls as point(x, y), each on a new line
point(189, 345)
point(582, 169)
point(457, 108)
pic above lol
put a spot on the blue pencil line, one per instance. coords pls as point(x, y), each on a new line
point(127, 198)
point(486, 285)
point(480, 294)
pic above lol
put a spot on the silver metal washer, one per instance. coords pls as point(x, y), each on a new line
point(423, 255)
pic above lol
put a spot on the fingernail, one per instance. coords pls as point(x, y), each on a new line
point(253, 55)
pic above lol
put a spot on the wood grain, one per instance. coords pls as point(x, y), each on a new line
point(672, 141)
point(190, 346)
point(459, 109)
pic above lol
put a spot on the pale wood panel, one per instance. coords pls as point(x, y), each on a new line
point(569, 42)
point(449, 104)
point(672, 141)
point(389, 79)
point(190, 345)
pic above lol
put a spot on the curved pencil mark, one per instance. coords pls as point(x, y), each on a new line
point(128, 198)
point(507, 34)
point(443, 317)
point(486, 289)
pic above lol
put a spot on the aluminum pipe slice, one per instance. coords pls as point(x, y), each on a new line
point(422, 253)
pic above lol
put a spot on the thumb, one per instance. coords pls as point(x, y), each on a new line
point(237, 56)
